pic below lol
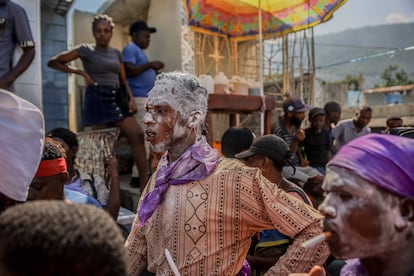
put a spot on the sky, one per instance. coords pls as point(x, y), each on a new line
point(353, 14)
point(361, 13)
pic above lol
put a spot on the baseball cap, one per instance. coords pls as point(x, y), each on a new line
point(22, 134)
point(315, 112)
point(294, 104)
point(269, 145)
point(140, 26)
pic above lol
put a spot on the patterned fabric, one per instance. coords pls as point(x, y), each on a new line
point(207, 225)
point(194, 164)
point(241, 18)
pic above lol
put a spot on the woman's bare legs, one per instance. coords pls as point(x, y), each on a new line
point(136, 139)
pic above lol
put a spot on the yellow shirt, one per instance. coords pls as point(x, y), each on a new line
point(207, 225)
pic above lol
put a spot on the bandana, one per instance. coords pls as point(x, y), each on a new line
point(384, 160)
point(51, 167)
point(198, 161)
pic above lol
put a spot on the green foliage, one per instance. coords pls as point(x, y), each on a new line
point(392, 77)
point(352, 81)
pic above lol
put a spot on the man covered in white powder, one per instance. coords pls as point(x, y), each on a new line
point(202, 208)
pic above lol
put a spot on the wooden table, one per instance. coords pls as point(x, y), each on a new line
point(233, 104)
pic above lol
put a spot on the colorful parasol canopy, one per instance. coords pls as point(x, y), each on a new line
point(240, 19)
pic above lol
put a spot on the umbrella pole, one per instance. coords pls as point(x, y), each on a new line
point(261, 68)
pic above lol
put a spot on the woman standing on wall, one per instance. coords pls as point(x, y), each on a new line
point(104, 74)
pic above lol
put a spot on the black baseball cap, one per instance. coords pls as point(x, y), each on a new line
point(269, 145)
point(140, 26)
point(315, 112)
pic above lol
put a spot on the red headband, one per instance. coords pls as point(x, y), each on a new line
point(51, 167)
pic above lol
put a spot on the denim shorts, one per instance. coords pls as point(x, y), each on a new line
point(102, 106)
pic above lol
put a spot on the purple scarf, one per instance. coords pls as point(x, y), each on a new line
point(198, 161)
point(353, 267)
point(246, 269)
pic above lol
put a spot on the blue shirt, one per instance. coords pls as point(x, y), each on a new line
point(142, 83)
point(77, 197)
point(15, 31)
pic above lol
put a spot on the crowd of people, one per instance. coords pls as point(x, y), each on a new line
point(250, 209)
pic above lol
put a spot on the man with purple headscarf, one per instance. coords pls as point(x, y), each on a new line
point(369, 208)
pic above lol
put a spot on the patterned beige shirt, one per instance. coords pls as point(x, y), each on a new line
point(207, 225)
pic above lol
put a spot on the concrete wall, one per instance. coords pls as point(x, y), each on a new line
point(28, 85)
point(55, 84)
point(81, 33)
point(165, 46)
point(166, 42)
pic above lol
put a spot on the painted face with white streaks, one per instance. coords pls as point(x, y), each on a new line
point(176, 108)
point(363, 218)
point(163, 122)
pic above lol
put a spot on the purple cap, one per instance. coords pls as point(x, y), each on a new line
point(384, 160)
point(294, 104)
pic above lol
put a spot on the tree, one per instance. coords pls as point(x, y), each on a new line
point(353, 82)
point(392, 77)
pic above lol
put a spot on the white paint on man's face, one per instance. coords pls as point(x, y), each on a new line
point(164, 125)
point(360, 215)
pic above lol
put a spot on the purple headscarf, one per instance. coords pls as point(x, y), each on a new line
point(384, 160)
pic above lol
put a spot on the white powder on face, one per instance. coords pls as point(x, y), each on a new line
point(364, 219)
point(185, 94)
point(188, 92)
